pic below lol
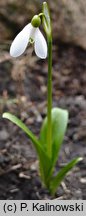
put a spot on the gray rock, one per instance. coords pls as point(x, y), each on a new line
point(69, 21)
point(4, 135)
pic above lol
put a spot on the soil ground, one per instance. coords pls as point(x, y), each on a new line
point(23, 92)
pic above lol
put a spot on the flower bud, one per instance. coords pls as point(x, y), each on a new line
point(36, 21)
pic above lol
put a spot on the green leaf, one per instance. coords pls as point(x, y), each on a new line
point(46, 19)
point(55, 182)
point(20, 124)
point(59, 124)
point(43, 158)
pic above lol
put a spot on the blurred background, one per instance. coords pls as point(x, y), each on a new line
point(23, 92)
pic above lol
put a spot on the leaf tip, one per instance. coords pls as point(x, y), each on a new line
point(6, 115)
point(3, 115)
point(79, 159)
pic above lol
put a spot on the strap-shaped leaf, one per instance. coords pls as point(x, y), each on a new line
point(55, 182)
point(59, 124)
point(20, 124)
point(43, 158)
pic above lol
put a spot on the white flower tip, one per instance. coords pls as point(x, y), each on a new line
point(44, 56)
point(13, 52)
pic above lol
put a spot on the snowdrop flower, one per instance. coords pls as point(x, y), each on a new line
point(31, 34)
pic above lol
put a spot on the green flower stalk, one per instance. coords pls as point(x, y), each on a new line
point(54, 125)
point(49, 87)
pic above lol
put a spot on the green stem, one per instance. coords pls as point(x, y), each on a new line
point(49, 97)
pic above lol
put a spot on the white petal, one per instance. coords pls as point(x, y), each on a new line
point(40, 45)
point(20, 42)
point(32, 33)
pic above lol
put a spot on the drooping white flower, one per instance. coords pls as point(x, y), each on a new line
point(29, 33)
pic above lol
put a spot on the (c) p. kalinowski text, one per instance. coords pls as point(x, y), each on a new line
point(52, 207)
